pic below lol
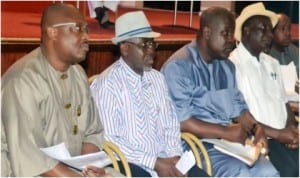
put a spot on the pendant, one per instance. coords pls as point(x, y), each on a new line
point(75, 129)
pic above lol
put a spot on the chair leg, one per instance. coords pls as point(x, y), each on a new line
point(175, 12)
point(191, 13)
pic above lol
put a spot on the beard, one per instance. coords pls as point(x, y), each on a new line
point(148, 61)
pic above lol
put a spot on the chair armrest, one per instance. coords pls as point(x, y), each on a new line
point(193, 147)
point(112, 150)
point(202, 149)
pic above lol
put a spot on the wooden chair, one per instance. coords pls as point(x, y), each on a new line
point(192, 142)
point(116, 154)
point(92, 78)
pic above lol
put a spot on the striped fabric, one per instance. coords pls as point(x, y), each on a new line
point(136, 31)
point(138, 114)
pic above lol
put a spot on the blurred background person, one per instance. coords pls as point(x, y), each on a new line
point(282, 47)
point(99, 11)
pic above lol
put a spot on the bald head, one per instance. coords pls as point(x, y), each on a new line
point(59, 13)
point(212, 17)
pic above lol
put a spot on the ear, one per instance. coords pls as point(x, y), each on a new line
point(52, 33)
point(206, 32)
point(124, 49)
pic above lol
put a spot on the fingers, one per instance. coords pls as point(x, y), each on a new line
point(108, 175)
point(292, 146)
point(92, 171)
point(177, 172)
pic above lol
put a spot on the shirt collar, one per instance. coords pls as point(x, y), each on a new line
point(130, 73)
point(197, 58)
point(133, 76)
point(247, 56)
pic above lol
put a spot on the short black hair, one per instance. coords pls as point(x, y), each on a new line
point(212, 15)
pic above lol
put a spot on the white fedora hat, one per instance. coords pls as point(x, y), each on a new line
point(249, 11)
point(133, 24)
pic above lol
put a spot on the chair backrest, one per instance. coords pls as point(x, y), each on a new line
point(92, 78)
point(113, 151)
point(192, 140)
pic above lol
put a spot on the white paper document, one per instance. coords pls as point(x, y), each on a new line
point(186, 162)
point(246, 153)
point(60, 152)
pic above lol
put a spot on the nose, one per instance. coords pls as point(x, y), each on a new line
point(150, 49)
point(287, 32)
point(85, 35)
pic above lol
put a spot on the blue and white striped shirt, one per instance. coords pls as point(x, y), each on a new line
point(138, 114)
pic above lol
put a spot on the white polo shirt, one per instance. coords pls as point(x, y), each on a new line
point(261, 83)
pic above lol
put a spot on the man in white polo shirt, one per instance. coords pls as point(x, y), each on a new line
point(260, 80)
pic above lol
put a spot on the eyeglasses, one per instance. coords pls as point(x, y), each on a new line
point(145, 45)
point(75, 27)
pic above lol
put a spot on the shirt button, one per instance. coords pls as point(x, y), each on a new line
point(64, 76)
point(68, 105)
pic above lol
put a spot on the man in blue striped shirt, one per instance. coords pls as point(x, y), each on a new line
point(134, 105)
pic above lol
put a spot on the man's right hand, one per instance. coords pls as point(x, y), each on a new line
point(165, 167)
point(235, 133)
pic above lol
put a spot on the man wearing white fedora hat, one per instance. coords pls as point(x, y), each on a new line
point(260, 80)
point(202, 84)
point(134, 105)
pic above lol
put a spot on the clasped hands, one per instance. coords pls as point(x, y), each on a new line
point(92, 171)
point(245, 127)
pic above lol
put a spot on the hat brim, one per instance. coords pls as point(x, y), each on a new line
point(152, 34)
point(241, 20)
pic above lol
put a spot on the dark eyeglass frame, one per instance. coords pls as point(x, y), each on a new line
point(76, 27)
point(145, 45)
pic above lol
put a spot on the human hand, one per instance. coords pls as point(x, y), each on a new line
point(165, 167)
point(289, 136)
point(246, 120)
point(235, 133)
point(92, 171)
point(260, 139)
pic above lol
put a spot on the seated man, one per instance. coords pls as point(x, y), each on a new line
point(134, 105)
point(259, 79)
point(202, 84)
point(282, 47)
point(46, 99)
point(99, 11)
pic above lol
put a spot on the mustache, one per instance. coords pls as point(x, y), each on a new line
point(148, 57)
